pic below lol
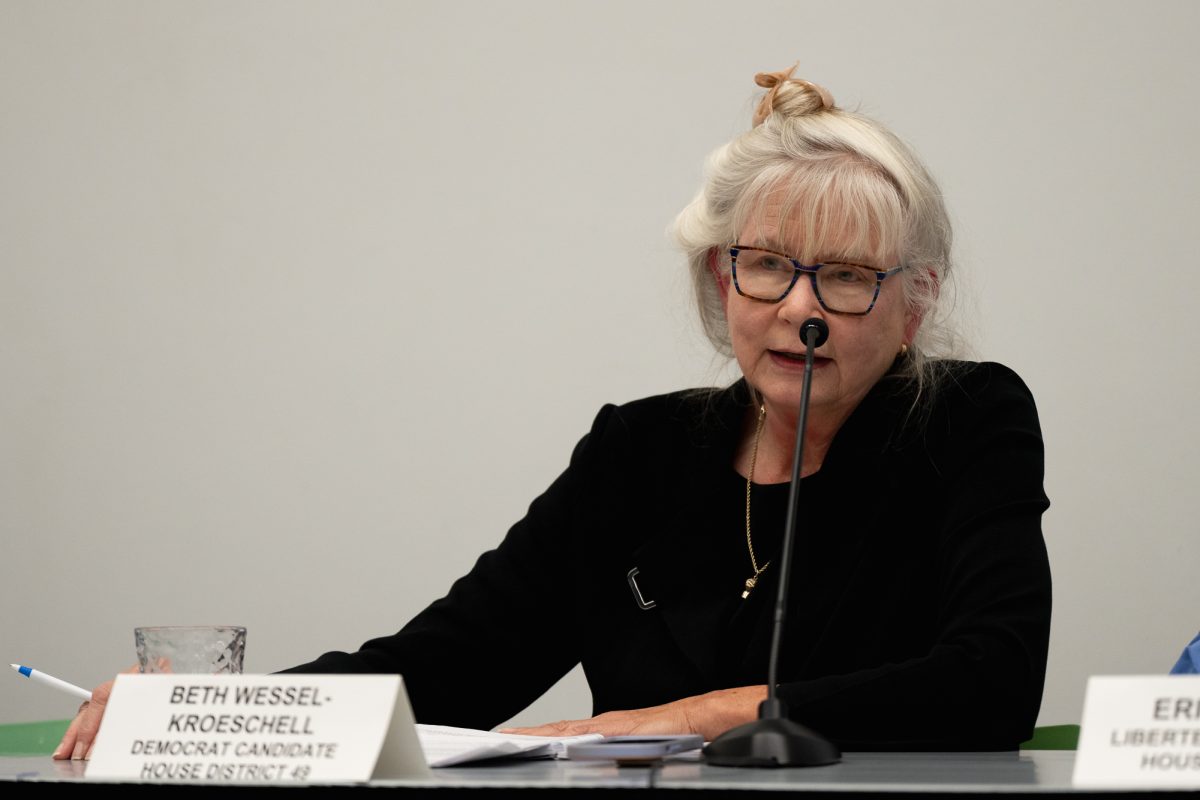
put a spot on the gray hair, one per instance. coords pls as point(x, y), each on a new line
point(854, 185)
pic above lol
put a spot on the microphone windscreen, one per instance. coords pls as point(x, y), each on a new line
point(814, 324)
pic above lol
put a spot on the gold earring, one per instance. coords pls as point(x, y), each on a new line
point(903, 349)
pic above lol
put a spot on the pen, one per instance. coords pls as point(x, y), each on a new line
point(50, 680)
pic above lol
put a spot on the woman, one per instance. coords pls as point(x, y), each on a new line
point(920, 598)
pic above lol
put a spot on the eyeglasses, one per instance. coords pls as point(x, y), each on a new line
point(767, 276)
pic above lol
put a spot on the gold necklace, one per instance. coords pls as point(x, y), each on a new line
point(753, 579)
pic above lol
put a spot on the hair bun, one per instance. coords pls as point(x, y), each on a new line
point(810, 98)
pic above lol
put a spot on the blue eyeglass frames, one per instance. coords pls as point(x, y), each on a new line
point(768, 276)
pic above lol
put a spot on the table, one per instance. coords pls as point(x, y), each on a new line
point(860, 775)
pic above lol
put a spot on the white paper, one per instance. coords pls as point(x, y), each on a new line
point(446, 746)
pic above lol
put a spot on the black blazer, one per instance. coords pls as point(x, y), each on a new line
point(919, 607)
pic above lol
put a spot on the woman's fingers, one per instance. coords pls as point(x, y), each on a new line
point(566, 727)
point(643, 722)
point(709, 715)
point(67, 746)
point(77, 742)
point(89, 720)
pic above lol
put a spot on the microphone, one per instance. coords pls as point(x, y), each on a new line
point(773, 740)
point(814, 324)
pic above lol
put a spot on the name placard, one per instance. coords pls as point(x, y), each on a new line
point(1140, 731)
point(257, 729)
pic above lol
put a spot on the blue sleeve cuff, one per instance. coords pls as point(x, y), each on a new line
point(1189, 662)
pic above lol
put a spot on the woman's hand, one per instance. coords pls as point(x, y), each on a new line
point(81, 734)
point(709, 715)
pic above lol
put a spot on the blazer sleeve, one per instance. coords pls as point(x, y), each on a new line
point(502, 635)
point(980, 685)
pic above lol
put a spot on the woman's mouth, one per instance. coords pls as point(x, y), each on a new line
point(796, 360)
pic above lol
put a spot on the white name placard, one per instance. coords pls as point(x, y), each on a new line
point(1140, 731)
point(257, 729)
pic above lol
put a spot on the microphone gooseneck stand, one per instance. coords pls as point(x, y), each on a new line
point(773, 740)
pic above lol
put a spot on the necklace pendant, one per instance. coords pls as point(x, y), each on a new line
point(750, 582)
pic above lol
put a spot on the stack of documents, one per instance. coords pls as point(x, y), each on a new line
point(445, 746)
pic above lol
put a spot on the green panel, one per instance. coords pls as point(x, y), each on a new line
point(1053, 737)
point(31, 738)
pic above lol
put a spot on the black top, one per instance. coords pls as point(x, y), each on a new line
point(919, 604)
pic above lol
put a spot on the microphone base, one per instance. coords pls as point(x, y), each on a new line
point(771, 743)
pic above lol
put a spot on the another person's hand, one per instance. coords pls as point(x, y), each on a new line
point(81, 735)
point(709, 715)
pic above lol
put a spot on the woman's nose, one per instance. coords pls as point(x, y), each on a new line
point(801, 302)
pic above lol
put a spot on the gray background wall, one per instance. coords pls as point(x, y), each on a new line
point(232, 394)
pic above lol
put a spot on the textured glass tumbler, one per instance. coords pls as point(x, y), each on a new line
point(191, 649)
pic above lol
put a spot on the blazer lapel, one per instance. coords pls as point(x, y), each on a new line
point(675, 569)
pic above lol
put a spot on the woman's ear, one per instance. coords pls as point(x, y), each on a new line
point(722, 279)
point(911, 327)
point(931, 288)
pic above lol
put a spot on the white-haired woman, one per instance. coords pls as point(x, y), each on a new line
point(919, 606)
